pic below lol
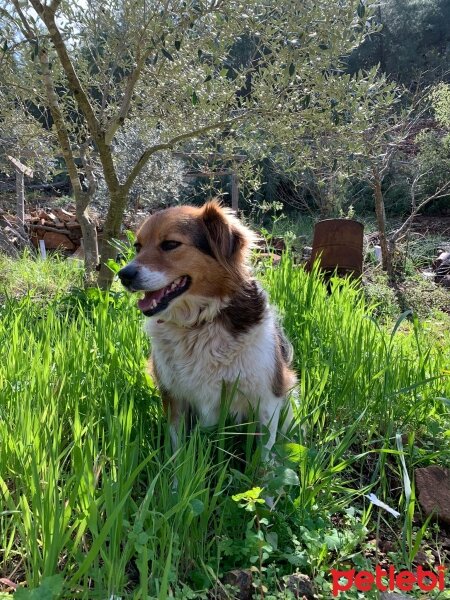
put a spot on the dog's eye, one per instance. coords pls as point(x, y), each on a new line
point(137, 247)
point(169, 245)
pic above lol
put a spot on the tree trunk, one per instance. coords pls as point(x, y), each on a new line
point(82, 199)
point(386, 254)
point(90, 243)
point(111, 230)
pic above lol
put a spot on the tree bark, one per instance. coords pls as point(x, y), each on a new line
point(82, 198)
point(111, 230)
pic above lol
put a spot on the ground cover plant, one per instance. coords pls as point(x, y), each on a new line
point(86, 470)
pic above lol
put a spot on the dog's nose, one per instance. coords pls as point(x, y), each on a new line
point(127, 274)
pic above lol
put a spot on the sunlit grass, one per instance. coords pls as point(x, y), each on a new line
point(89, 507)
point(40, 278)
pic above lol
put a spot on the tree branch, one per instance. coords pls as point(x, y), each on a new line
point(58, 119)
point(87, 165)
point(27, 30)
point(440, 193)
point(119, 119)
point(47, 14)
point(170, 144)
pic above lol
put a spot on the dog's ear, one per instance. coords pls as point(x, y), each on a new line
point(224, 235)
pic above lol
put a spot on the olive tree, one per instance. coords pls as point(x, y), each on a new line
point(175, 64)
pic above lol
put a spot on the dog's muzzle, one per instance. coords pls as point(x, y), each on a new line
point(127, 275)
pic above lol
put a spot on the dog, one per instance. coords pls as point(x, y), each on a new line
point(209, 320)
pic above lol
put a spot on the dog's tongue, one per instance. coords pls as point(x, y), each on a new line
point(144, 303)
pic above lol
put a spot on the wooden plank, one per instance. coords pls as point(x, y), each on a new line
point(43, 249)
point(20, 197)
point(21, 167)
point(234, 192)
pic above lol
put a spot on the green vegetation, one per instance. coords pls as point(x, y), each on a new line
point(89, 509)
point(36, 277)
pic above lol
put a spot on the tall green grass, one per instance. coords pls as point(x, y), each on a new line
point(89, 507)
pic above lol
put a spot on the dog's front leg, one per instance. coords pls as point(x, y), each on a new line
point(174, 427)
point(269, 416)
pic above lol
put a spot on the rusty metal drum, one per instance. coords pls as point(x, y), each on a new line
point(338, 245)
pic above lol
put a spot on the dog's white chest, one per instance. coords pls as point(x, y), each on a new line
point(193, 363)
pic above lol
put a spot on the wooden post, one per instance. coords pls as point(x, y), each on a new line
point(21, 171)
point(20, 198)
point(43, 249)
point(234, 191)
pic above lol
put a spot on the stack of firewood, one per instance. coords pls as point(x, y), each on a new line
point(58, 228)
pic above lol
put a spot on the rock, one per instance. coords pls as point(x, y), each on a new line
point(445, 281)
point(442, 269)
point(55, 240)
point(421, 559)
point(394, 596)
point(443, 257)
point(275, 259)
point(241, 580)
point(78, 254)
point(433, 485)
point(301, 586)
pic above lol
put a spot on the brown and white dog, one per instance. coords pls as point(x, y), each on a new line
point(209, 319)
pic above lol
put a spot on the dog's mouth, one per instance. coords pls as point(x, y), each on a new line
point(158, 300)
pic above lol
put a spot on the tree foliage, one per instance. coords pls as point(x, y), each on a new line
point(261, 78)
point(413, 42)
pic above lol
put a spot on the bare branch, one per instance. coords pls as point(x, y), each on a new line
point(54, 5)
point(413, 188)
point(58, 119)
point(126, 101)
point(443, 191)
point(27, 30)
point(47, 14)
point(170, 144)
point(87, 165)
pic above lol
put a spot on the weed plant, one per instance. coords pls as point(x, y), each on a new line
point(89, 505)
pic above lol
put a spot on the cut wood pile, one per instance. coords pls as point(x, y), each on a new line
point(58, 227)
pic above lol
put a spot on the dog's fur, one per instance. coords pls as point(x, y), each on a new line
point(220, 328)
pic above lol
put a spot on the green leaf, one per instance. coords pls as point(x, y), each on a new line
point(283, 476)
point(50, 588)
point(194, 98)
point(252, 494)
point(306, 100)
point(167, 54)
point(197, 507)
point(291, 69)
point(361, 10)
point(295, 452)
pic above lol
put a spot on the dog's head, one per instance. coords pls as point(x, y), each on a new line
point(186, 251)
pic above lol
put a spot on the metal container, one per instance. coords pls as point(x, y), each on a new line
point(338, 245)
